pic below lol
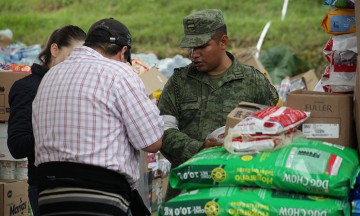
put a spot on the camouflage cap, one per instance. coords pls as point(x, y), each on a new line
point(200, 27)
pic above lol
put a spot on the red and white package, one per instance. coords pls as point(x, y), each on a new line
point(255, 143)
point(343, 42)
point(341, 49)
point(218, 134)
point(271, 120)
point(338, 89)
point(138, 66)
point(339, 74)
point(339, 78)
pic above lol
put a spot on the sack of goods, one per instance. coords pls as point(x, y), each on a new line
point(306, 166)
point(265, 130)
point(251, 201)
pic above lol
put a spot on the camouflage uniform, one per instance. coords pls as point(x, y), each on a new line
point(200, 108)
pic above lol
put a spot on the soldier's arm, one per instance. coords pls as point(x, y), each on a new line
point(177, 147)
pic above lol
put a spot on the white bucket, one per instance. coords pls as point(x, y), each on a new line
point(7, 169)
point(21, 171)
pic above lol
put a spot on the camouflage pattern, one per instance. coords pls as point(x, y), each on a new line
point(200, 27)
point(200, 108)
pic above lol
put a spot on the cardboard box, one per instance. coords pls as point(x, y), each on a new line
point(357, 23)
point(7, 79)
point(331, 116)
point(304, 81)
point(154, 169)
point(14, 199)
point(357, 102)
point(153, 80)
point(243, 110)
point(159, 186)
point(248, 57)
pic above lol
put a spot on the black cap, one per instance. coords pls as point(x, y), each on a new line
point(109, 30)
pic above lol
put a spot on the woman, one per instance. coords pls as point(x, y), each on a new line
point(20, 132)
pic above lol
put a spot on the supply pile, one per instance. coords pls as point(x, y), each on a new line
point(303, 175)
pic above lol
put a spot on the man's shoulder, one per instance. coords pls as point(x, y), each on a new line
point(244, 67)
point(248, 71)
point(182, 71)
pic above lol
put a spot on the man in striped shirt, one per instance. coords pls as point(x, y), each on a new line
point(91, 116)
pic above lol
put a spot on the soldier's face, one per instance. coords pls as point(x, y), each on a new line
point(208, 57)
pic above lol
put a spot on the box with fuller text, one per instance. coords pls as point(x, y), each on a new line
point(14, 198)
point(331, 116)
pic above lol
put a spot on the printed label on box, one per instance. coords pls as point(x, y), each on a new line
point(321, 130)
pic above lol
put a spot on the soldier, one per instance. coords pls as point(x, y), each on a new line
point(197, 98)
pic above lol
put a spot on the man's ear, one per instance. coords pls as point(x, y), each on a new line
point(122, 54)
point(54, 50)
point(224, 41)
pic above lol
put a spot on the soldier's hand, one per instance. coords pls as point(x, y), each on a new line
point(211, 142)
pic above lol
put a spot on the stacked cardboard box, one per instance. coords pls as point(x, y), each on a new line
point(13, 192)
point(13, 198)
point(154, 179)
point(331, 116)
point(357, 83)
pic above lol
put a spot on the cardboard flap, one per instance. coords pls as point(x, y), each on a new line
point(243, 110)
point(309, 79)
point(153, 80)
point(251, 106)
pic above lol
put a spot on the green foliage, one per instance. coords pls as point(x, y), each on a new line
point(280, 62)
point(156, 26)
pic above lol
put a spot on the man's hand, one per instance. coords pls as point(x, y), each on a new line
point(211, 142)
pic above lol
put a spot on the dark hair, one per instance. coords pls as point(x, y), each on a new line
point(220, 32)
point(63, 38)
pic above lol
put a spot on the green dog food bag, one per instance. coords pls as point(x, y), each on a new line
point(238, 201)
point(306, 166)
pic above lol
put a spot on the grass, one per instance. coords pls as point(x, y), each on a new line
point(156, 25)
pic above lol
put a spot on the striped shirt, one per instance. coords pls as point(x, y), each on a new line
point(93, 110)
